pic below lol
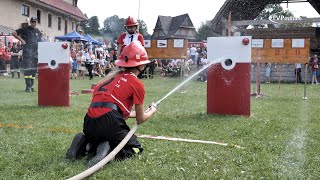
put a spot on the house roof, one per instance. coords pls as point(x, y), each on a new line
point(170, 25)
point(66, 7)
point(5, 29)
point(165, 22)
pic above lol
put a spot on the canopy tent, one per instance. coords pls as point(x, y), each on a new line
point(71, 36)
point(93, 41)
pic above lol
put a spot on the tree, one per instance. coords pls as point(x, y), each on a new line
point(91, 26)
point(143, 29)
point(205, 31)
point(94, 25)
point(113, 26)
point(272, 10)
point(85, 25)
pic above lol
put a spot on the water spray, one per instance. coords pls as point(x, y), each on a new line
point(115, 151)
point(187, 80)
point(25, 69)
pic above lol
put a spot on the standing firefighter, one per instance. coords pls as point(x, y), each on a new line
point(29, 37)
point(131, 35)
point(104, 125)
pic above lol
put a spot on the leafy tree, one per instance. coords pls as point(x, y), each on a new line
point(143, 29)
point(94, 25)
point(205, 31)
point(113, 26)
point(85, 25)
point(272, 10)
point(91, 26)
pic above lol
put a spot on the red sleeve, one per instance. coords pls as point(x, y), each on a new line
point(4, 54)
point(138, 93)
point(141, 39)
point(8, 56)
point(121, 38)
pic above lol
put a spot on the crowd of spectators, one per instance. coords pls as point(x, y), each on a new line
point(10, 58)
point(91, 60)
point(98, 60)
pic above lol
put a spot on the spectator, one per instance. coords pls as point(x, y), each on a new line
point(193, 54)
point(8, 60)
point(115, 45)
point(203, 74)
point(102, 65)
point(152, 66)
point(81, 65)
point(268, 71)
point(297, 72)
point(74, 68)
point(314, 69)
point(3, 55)
point(15, 59)
point(90, 64)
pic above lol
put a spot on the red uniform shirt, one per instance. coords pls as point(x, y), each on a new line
point(124, 90)
point(314, 66)
point(126, 38)
point(4, 55)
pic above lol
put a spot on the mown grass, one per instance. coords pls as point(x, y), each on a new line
point(280, 138)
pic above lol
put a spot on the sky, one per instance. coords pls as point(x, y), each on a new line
point(199, 11)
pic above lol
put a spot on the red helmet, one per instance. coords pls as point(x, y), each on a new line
point(133, 55)
point(131, 22)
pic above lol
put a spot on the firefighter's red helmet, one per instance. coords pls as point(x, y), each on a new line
point(133, 55)
point(131, 21)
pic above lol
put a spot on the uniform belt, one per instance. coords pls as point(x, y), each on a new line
point(106, 105)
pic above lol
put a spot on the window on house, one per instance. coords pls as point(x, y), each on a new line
point(50, 20)
point(72, 26)
point(39, 16)
point(59, 23)
point(25, 10)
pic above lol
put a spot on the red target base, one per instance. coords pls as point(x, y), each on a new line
point(228, 92)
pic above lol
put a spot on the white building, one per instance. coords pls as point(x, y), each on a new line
point(55, 17)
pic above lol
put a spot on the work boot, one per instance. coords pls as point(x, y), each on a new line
point(127, 152)
point(28, 88)
point(77, 148)
point(31, 85)
point(102, 151)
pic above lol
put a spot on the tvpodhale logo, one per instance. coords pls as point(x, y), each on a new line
point(275, 17)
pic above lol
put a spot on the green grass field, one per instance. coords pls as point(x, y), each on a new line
point(281, 139)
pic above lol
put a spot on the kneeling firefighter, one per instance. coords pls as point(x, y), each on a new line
point(104, 124)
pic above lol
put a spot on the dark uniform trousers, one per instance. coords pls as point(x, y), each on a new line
point(113, 128)
point(29, 64)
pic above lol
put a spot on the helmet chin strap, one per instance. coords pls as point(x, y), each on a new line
point(141, 72)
